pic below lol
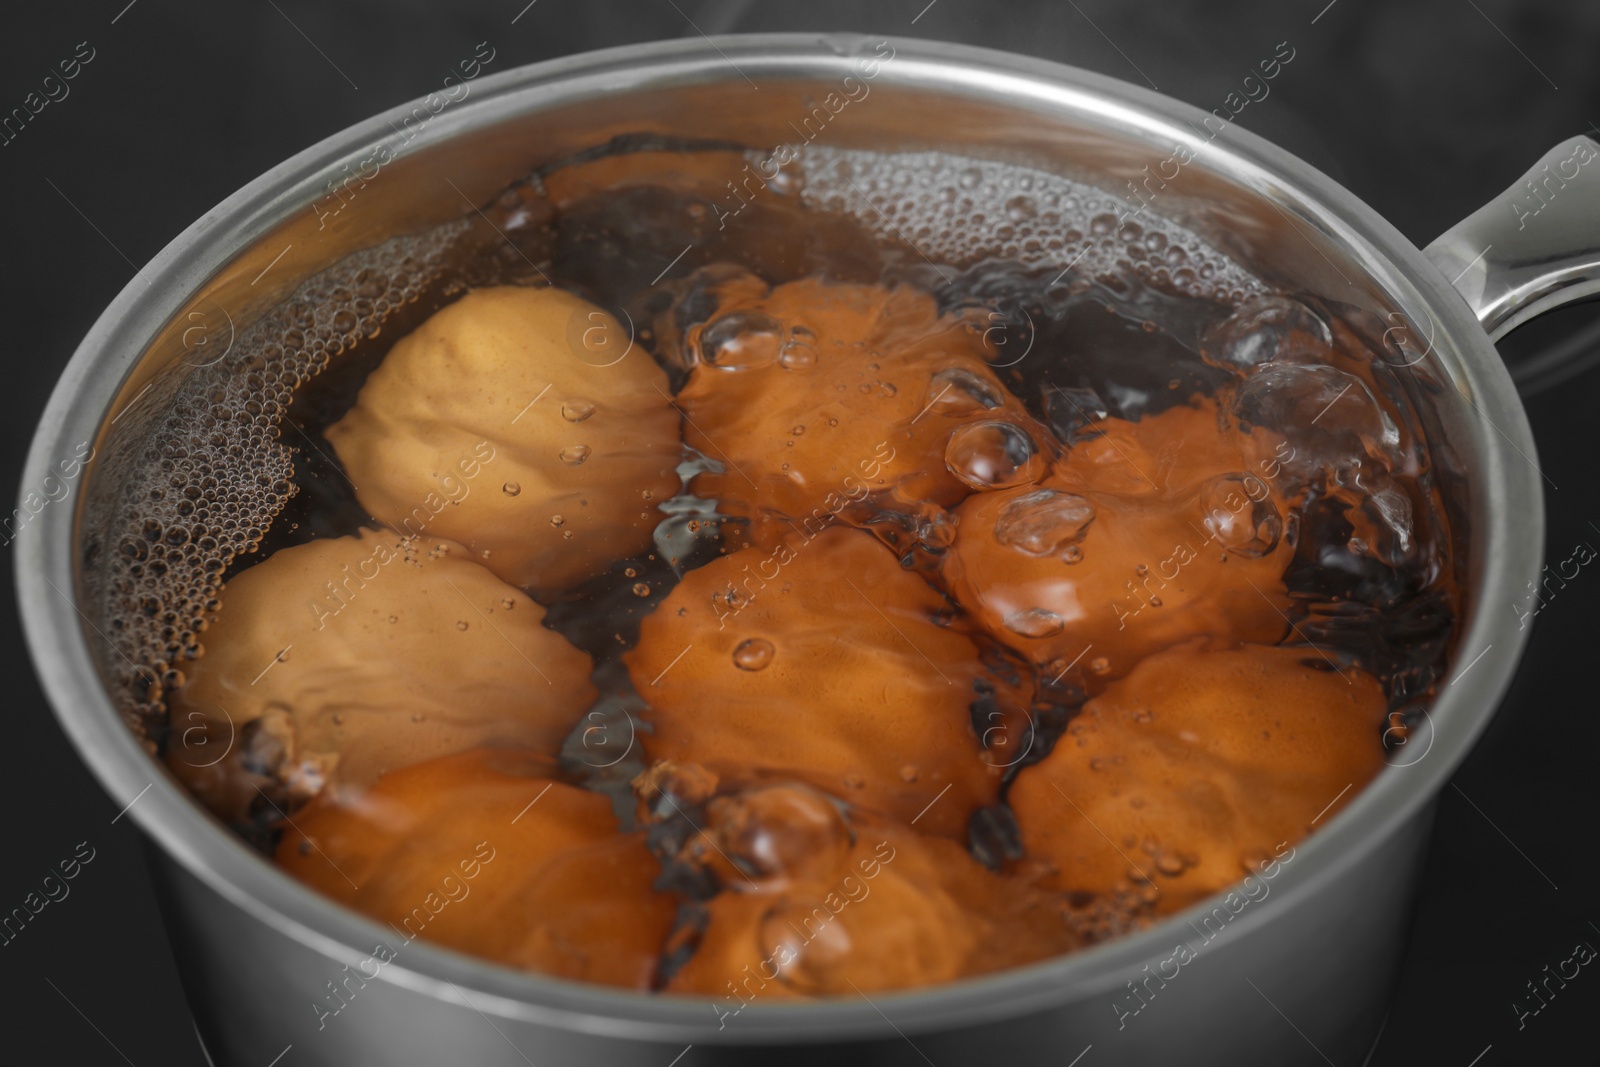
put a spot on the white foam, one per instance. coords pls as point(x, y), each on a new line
point(957, 211)
point(201, 470)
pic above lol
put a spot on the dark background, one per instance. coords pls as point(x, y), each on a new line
point(1424, 109)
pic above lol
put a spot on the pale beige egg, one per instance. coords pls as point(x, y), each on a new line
point(526, 424)
point(344, 658)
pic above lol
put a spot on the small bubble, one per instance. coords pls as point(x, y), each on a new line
point(1253, 530)
point(641, 589)
point(799, 350)
point(573, 455)
point(1035, 622)
point(556, 520)
point(577, 410)
point(908, 774)
point(1170, 863)
point(511, 489)
point(993, 455)
point(1043, 522)
point(507, 603)
point(788, 181)
point(1021, 208)
point(394, 618)
point(463, 625)
point(753, 654)
point(742, 340)
point(958, 391)
point(1100, 665)
point(814, 962)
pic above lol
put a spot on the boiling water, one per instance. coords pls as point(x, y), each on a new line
point(1088, 318)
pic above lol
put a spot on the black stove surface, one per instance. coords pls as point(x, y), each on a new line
point(1424, 109)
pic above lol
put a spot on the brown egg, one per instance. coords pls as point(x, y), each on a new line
point(1198, 765)
point(524, 423)
point(484, 853)
point(821, 660)
point(347, 657)
point(1151, 534)
point(1169, 452)
point(836, 902)
point(824, 399)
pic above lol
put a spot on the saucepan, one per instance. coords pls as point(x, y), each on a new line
point(1300, 976)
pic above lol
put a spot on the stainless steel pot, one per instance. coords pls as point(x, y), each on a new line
point(1301, 977)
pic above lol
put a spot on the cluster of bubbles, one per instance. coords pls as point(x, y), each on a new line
point(207, 462)
point(959, 211)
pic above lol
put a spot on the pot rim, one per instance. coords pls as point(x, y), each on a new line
point(1509, 528)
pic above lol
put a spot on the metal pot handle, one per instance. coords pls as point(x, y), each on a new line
point(1532, 249)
